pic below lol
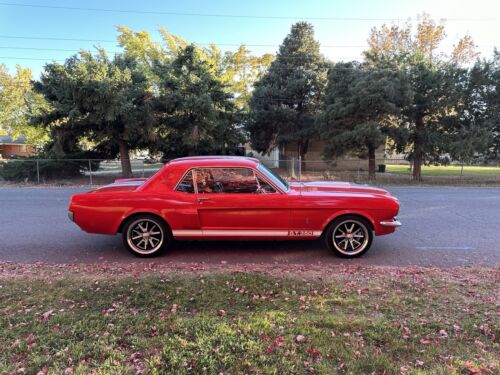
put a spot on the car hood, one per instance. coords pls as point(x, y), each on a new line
point(335, 187)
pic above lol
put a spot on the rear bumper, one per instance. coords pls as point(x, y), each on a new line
point(391, 223)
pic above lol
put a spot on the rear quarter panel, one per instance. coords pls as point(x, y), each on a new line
point(104, 212)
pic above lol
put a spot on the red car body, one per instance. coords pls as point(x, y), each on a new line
point(301, 210)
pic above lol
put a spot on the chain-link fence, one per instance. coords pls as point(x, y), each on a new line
point(70, 171)
point(388, 171)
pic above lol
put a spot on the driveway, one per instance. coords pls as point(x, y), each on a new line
point(442, 226)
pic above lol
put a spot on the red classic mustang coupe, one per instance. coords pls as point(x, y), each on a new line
point(234, 198)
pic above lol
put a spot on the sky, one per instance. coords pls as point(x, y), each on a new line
point(28, 34)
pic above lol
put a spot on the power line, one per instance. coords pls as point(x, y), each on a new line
point(202, 44)
point(49, 49)
point(63, 39)
point(227, 15)
point(75, 52)
point(196, 43)
point(28, 58)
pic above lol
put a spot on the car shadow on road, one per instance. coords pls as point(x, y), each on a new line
point(257, 251)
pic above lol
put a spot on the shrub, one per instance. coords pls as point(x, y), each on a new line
point(25, 169)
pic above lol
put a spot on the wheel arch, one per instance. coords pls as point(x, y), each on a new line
point(140, 213)
point(340, 214)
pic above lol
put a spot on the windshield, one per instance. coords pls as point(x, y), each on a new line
point(274, 177)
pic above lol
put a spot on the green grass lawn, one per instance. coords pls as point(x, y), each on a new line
point(450, 170)
point(333, 320)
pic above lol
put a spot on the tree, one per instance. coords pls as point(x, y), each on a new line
point(493, 100)
point(360, 107)
point(18, 103)
point(237, 70)
point(286, 101)
point(430, 80)
point(240, 70)
point(108, 102)
point(469, 126)
point(196, 112)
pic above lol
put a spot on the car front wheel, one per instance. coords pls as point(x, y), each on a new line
point(349, 236)
point(146, 235)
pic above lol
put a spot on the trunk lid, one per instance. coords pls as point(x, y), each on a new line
point(121, 184)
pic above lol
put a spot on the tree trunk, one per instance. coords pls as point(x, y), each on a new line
point(371, 163)
point(302, 147)
point(125, 160)
point(417, 150)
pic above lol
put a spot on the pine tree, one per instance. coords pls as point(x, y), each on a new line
point(361, 105)
point(197, 114)
point(108, 102)
point(286, 100)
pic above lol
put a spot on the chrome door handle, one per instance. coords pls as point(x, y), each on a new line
point(201, 199)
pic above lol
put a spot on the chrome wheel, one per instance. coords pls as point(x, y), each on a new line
point(145, 236)
point(350, 237)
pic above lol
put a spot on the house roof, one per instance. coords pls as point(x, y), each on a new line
point(5, 139)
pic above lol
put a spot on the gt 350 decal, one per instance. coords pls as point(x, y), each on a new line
point(300, 233)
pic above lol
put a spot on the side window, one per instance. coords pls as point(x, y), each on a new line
point(230, 181)
point(186, 185)
point(264, 187)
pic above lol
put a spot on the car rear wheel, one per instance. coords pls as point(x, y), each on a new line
point(349, 236)
point(146, 235)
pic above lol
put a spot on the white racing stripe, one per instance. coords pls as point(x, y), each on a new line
point(244, 233)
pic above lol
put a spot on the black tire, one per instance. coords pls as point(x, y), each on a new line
point(149, 231)
point(353, 236)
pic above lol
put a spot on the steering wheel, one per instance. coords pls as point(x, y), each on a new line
point(218, 188)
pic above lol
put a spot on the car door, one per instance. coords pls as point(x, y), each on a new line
point(238, 201)
point(181, 208)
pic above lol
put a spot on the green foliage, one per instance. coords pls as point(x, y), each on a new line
point(286, 100)
point(197, 113)
point(468, 128)
point(240, 70)
point(18, 103)
point(58, 160)
point(492, 119)
point(433, 80)
point(25, 169)
point(109, 102)
point(362, 104)
point(237, 70)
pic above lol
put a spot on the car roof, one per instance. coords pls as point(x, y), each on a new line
point(193, 161)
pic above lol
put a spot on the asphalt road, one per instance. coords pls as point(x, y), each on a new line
point(442, 226)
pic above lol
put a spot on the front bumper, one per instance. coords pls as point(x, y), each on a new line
point(391, 223)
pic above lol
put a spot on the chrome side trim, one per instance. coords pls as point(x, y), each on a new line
point(393, 223)
point(244, 233)
point(187, 232)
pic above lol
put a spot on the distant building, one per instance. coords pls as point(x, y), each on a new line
point(314, 157)
point(10, 148)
